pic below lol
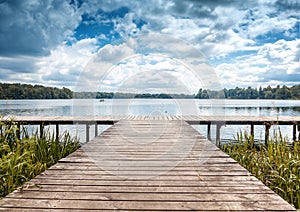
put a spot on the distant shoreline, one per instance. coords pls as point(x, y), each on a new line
point(19, 91)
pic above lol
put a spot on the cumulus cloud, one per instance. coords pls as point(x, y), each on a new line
point(143, 60)
point(126, 26)
point(30, 30)
point(34, 27)
point(271, 64)
point(114, 53)
point(151, 73)
point(65, 63)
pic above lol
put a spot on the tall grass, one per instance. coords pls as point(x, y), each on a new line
point(276, 164)
point(23, 159)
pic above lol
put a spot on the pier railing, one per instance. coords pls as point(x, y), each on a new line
point(218, 121)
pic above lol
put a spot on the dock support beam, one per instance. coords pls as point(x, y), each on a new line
point(41, 130)
point(298, 128)
point(57, 131)
point(218, 133)
point(294, 132)
point(267, 132)
point(252, 131)
point(19, 131)
point(87, 129)
point(96, 130)
point(209, 131)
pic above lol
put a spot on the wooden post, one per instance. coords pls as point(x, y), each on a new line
point(218, 137)
point(209, 131)
point(252, 130)
point(41, 130)
point(267, 132)
point(57, 131)
point(18, 131)
point(87, 129)
point(294, 132)
point(298, 128)
point(96, 130)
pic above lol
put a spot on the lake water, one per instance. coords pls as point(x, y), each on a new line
point(80, 107)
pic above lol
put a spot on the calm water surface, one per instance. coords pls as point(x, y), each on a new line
point(156, 107)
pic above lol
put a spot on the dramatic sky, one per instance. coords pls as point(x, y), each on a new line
point(244, 43)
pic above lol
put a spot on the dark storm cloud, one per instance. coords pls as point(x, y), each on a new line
point(194, 8)
point(288, 4)
point(59, 77)
point(18, 65)
point(34, 27)
point(5, 74)
point(281, 77)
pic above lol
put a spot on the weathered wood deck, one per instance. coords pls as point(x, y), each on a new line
point(137, 165)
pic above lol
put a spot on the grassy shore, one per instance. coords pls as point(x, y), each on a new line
point(276, 164)
point(23, 159)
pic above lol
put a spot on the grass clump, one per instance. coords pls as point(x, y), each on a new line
point(276, 164)
point(23, 159)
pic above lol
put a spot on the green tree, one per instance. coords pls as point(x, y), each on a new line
point(295, 92)
point(261, 94)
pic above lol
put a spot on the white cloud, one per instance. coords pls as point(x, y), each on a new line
point(65, 63)
point(150, 73)
point(266, 24)
point(126, 26)
point(114, 53)
point(144, 59)
point(273, 63)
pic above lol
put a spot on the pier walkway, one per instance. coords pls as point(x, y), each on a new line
point(146, 165)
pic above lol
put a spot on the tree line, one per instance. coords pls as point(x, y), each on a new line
point(27, 91)
point(119, 95)
point(278, 92)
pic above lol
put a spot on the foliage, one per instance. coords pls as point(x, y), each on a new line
point(277, 164)
point(25, 91)
point(283, 92)
point(23, 159)
point(118, 95)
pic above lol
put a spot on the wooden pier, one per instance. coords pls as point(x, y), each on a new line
point(145, 164)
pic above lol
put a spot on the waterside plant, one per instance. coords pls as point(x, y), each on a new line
point(23, 159)
point(276, 164)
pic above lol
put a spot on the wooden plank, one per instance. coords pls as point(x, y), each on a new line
point(182, 179)
point(94, 196)
point(142, 183)
point(144, 205)
point(148, 189)
point(150, 172)
point(74, 166)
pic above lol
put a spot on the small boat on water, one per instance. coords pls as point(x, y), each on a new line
point(101, 100)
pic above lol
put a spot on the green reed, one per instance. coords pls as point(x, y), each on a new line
point(23, 159)
point(276, 164)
